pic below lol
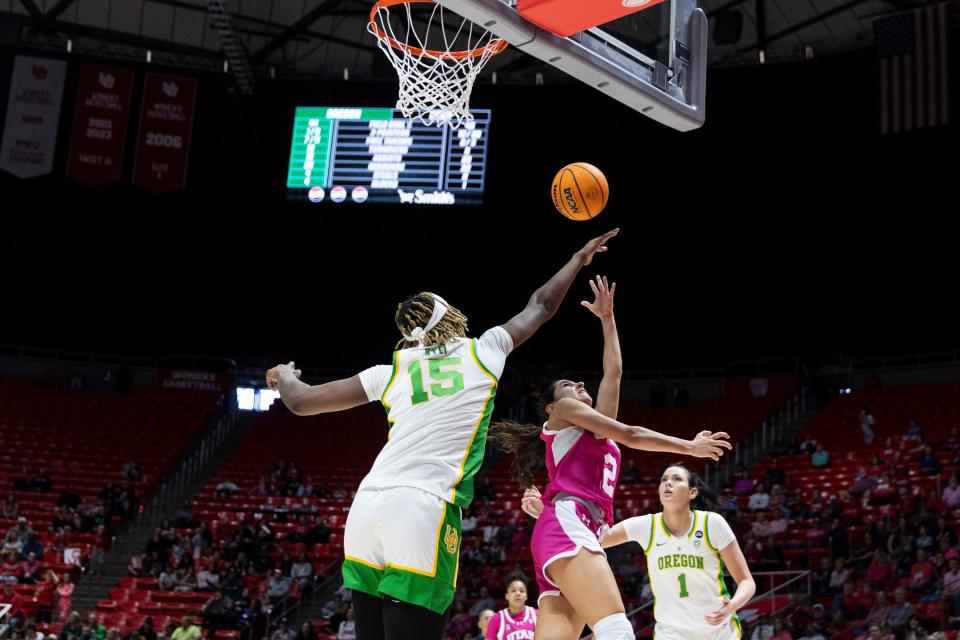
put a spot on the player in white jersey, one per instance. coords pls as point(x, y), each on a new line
point(402, 537)
point(687, 546)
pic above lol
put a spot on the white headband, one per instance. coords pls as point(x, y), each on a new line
point(439, 310)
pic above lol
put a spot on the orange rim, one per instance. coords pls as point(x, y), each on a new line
point(495, 46)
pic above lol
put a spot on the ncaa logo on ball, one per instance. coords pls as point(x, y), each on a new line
point(315, 194)
point(699, 534)
point(338, 194)
point(359, 194)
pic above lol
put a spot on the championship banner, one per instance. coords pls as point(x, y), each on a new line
point(100, 124)
point(33, 116)
point(163, 141)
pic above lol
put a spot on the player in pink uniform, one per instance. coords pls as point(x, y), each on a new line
point(517, 621)
point(583, 463)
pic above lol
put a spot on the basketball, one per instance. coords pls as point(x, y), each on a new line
point(580, 191)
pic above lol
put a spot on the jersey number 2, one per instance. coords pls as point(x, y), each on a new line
point(609, 474)
point(454, 379)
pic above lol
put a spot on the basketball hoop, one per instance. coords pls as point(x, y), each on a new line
point(435, 84)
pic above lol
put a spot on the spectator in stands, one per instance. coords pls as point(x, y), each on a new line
point(22, 529)
point(208, 579)
point(306, 489)
point(30, 632)
point(183, 517)
point(862, 482)
point(186, 578)
point(839, 575)
point(12, 544)
point(302, 571)
point(226, 489)
point(922, 573)
point(16, 615)
point(146, 630)
point(284, 632)
point(486, 490)
point(167, 579)
point(187, 630)
point(30, 569)
point(820, 457)
point(318, 534)
point(65, 589)
point(780, 631)
point(775, 474)
point(867, 422)
point(763, 629)
point(347, 629)
point(460, 622)
point(951, 586)
point(279, 586)
point(820, 578)
point(484, 602)
point(914, 432)
point(760, 499)
point(916, 631)
point(307, 632)
point(469, 523)
point(21, 481)
point(900, 612)
point(836, 538)
point(131, 471)
point(73, 626)
point(876, 632)
point(880, 611)
point(9, 509)
point(41, 482)
point(929, 462)
point(879, 570)
point(772, 555)
point(136, 568)
point(97, 630)
point(951, 493)
point(33, 545)
point(630, 475)
point(743, 484)
point(68, 498)
point(168, 629)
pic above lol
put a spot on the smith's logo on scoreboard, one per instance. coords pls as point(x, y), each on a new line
point(421, 197)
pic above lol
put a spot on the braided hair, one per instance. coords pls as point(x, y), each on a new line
point(415, 312)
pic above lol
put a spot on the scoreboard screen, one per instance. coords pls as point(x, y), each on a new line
point(361, 154)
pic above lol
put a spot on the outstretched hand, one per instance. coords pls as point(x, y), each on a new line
point(273, 375)
point(710, 445)
point(597, 245)
point(602, 305)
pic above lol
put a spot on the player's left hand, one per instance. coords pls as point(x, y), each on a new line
point(721, 614)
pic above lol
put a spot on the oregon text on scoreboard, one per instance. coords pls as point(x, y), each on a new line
point(368, 154)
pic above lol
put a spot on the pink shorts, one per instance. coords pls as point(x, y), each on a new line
point(564, 527)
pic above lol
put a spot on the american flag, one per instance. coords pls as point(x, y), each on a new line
point(912, 51)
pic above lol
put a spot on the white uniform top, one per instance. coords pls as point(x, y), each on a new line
point(438, 401)
point(686, 572)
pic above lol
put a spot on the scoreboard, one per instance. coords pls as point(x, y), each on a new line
point(361, 154)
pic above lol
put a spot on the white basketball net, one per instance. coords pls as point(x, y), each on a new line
point(435, 85)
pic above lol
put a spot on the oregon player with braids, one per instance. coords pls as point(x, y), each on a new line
point(402, 537)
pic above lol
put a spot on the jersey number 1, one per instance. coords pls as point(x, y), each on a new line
point(454, 379)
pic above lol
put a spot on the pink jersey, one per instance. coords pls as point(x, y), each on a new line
point(581, 464)
point(503, 626)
